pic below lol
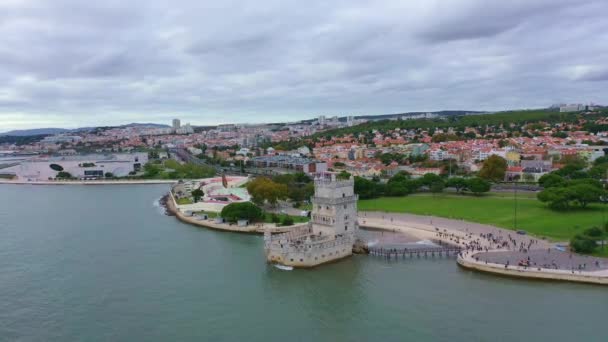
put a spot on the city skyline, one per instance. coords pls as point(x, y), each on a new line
point(70, 64)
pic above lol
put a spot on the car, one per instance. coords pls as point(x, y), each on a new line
point(521, 232)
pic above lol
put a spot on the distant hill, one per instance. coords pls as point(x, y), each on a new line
point(53, 131)
point(35, 131)
point(398, 115)
point(439, 113)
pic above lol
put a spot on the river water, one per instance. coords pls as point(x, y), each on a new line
point(101, 263)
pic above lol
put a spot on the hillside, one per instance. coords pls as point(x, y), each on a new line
point(461, 121)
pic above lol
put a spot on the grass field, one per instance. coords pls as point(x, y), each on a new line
point(532, 215)
point(185, 200)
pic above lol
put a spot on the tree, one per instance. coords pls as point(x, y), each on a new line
point(63, 174)
point(241, 211)
point(109, 175)
point(430, 178)
point(343, 175)
point(151, 170)
point(367, 189)
point(551, 180)
point(584, 194)
point(556, 197)
point(458, 183)
point(197, 194)
point(493, 169)
point(478, 186)
point(583, 244)
point(287, 221)
point(437, 187)
point(263, 189)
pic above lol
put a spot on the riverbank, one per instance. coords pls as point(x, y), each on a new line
point(91, 182)
point(495, 250)
point(258, 228)
point(579, 276)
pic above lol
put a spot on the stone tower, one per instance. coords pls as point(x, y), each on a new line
point(334, 205)
point(328, 236)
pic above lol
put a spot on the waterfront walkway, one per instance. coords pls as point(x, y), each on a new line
point(496, 250)
point(257, 228)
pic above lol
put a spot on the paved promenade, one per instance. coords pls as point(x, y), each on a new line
point(497, 250)
point(257, 228)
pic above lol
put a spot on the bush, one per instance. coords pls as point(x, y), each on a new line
point(583, 244)
point(241, 211)
point(274, 218)
point(287, 221)
point(477, 185)
point(64, 174)
point(594, 232)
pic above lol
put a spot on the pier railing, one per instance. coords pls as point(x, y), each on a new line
point(396, 253)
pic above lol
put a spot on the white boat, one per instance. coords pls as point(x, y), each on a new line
point(283, 267)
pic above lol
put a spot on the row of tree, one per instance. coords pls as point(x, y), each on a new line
point(403, 184)
point(573, 185)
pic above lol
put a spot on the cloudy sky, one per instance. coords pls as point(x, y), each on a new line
point(69, 63)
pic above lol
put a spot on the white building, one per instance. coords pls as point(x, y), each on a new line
point(176, 124)
point(321, 120)
point(86, 166)
point(571, 108)
point(330, 234)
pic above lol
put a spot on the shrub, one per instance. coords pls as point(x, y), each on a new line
point(287, 221)
point(274, 218)
point(583, 244)
point(241, 211)
point(64, 174)
point(593, 232)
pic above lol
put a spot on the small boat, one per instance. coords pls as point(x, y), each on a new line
point(283, 267)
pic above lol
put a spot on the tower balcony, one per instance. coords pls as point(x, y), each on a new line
point(335, 200)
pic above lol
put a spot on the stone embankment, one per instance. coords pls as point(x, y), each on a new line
point(90, 182)
point(594, 277)
point(258, 228)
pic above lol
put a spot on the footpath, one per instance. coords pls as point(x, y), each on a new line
point(257, 228)
point(479, 243)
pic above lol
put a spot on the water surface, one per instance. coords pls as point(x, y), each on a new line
point(100, 263)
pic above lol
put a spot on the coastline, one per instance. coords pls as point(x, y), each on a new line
point(168, 201)
point(597, 277)
point(92, 182)
point(467, 259)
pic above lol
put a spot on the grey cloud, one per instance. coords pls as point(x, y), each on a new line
point(81, 63)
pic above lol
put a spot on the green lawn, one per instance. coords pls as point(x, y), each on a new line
point(210, 214)
point(532, 215)
point(184, 201)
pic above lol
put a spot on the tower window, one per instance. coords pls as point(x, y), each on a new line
point(345, 227)
point(343, 195)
